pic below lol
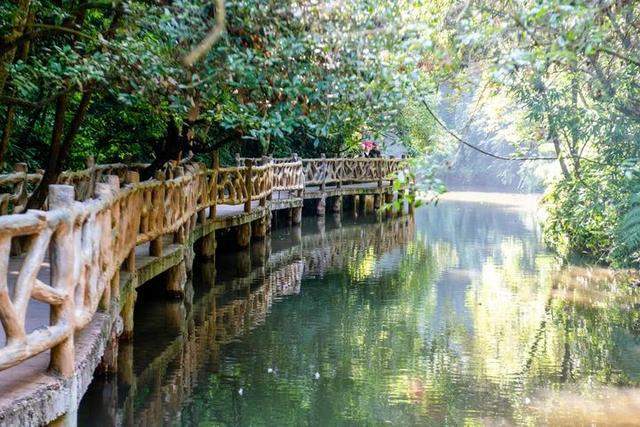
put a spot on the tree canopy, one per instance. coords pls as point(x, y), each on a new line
point(529, 80)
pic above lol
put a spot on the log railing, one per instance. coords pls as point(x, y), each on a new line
point(324, 171)
point(84, 243)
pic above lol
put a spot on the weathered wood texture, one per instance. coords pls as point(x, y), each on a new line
point(87, 239)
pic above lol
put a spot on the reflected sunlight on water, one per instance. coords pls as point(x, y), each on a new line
point(458, 316)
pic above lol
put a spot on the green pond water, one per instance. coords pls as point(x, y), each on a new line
point(455, 316)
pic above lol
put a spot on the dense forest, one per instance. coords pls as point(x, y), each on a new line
point(544, 90)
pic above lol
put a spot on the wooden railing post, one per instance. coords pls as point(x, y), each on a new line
point(90, 162)
point(238, 160)
point(180, 235)
point(110, 187)
point(248, 181)
point(215, 166)
point(20, 196)
point(20, 188)
point(323, 168)
point(157, 207)
point(295, 158)
point(132, 178)
point(267, 162)
point(62, 252)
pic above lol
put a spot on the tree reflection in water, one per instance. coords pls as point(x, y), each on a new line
point(459, 317)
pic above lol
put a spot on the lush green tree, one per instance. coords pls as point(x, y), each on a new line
point(572, 67)
point(121, 79)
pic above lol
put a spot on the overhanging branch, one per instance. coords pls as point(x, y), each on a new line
point(214, 34)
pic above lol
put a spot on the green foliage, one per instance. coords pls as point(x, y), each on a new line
point(573, 69)
point(421, 177)
point(581, 218)
point(627, 247)
point(286, 76)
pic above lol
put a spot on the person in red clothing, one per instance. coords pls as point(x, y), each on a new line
point(370, 148)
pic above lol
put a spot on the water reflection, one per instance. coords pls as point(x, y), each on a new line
point(458, 317)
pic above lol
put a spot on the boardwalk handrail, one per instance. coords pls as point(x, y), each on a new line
point(88, 240)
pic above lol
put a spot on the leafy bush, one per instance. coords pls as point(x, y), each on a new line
point(585, 217)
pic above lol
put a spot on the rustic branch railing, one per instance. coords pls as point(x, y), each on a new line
point(362, 169)
point(86, 242)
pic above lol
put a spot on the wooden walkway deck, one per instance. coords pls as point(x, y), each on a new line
point(169, 219)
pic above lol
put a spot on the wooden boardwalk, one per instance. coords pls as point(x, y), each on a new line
point(67, 292)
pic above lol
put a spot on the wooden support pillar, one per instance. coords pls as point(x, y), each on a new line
point(296, 235)
point(243, 262)
point(368, 203)
point(127, 378)
point(207, 247)
point(189, 254)
point(175, 313)
point(388, 199)
point(108, 411)
point(296, 218)
point(259, 227)
point(322, 205)
point(337, 219)
point(290, 216)
point(337, 204)
point(176, 280)
point(208, 272)
point(377, 201)
point(244, 235)
point(321, 227)
point(62, 359)
point(355, 205)
point(260, 253)
point(125, 364)
point(109, 363)
point(126, 312)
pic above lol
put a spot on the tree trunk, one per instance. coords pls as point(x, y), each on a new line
point(11, 109)
point(18, 28)
point(563, 165)
point(36, 201)
point(6, 132)
point(74, 127)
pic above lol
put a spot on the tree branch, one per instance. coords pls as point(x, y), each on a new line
point(613, 53)
point(214, 34)
point(480, 150)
